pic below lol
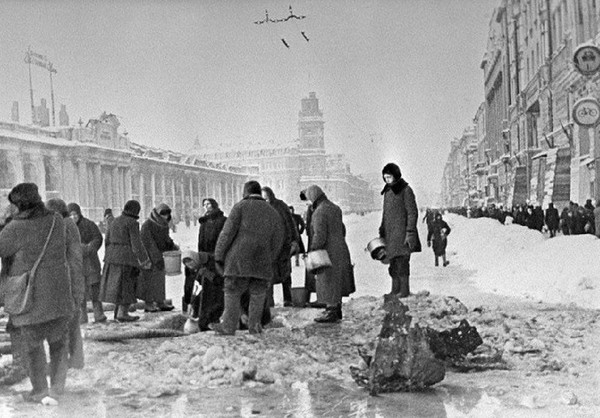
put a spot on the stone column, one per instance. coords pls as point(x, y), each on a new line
point(142, 194)
point(174, 202)
point(82, 190)
point(128, 191)
point(163, 189)
point(153, 187)
point(98, 186)
point(116, 187)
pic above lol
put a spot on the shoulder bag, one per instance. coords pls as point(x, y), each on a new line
point(18, 290)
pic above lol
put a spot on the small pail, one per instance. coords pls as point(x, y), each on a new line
point(172, 262)
point(299, 297)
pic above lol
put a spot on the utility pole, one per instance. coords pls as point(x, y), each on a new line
point(28, 61)
point(52, 70)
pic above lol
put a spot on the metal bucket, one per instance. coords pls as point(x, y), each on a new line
point(317, 261)
point(172, 262)
point(376, 248)
point(299, 297)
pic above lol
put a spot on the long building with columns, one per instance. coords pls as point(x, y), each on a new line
point(98, 167)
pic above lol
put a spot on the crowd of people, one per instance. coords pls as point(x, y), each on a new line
point(573, 219)
point(51, 269)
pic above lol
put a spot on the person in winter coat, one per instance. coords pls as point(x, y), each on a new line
point(310, 285)
point(283, 267)
point(399, 227)
point(565, 220)
point(75, 267)
point(91, 241)
point(209, 305)
point(246, 251)
point(327, 232)
point(156, 240)
point(437, 238)
point(22, 241)
point(124, 256)
point(552, 219)
point(300, 227)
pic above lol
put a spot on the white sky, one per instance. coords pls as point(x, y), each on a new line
point(396, 79)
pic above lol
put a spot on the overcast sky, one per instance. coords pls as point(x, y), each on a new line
point(396, 79)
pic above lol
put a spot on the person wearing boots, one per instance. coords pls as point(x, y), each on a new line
point(36, 233)
point(124, 256)
point(327, 232)
point(283, 267)
point(246, 252)
point(91, 241)
point(438, 238)
point(399, 227)
point(151, 286)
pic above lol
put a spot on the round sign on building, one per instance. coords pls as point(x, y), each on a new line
point(586, 112)
point(587, 59)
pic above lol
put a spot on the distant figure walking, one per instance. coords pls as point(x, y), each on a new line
point(437, 238)
point(552, 219)
point(399, 227)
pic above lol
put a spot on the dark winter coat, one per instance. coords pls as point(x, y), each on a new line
point(399, 221)
point(91, 241)
point(21, 243)
point(438, 242)
point(156, 240)
point(251, 239)
point(328, 232)
point(551, 218)
point(211, 226)
point(123, 243)
point(74, 260)
point(283, 268)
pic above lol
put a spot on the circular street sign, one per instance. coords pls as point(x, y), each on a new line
point(586, 111)
point(587, 59)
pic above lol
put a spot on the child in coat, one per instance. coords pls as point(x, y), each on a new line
point(438, 238)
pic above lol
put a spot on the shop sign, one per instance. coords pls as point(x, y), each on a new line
point(586, 112)
point(587, 59)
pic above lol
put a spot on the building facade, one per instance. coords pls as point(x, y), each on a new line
point(530, 151)
point(292, 167)
point(97, 167)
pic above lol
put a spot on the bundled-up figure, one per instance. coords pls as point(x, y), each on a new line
point(399, 227)
point(211, 225)
point(75, 267)
point(246, 250)
point(327, 232)
point(124, 257)
point(91, 241)
point(437, 238)
point(156, 240)
point(283, 266)
point(35, 231)
point(552, 219)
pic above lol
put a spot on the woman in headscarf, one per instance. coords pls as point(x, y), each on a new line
point(75, 267)
point(22, 241)
point(327, 232)
point(156, 240)
point(124, 257)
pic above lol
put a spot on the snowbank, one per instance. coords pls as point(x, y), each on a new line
point(516, 261)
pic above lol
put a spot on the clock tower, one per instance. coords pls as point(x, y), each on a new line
point(310, 123)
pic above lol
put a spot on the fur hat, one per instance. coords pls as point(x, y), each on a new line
point(251, 187)
point(392, 169)
point(108, 211)
point(25, 196)
point(59, 206)
point(74, 207)
point(132, 208)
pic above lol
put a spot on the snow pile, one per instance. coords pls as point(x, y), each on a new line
point(516, 261)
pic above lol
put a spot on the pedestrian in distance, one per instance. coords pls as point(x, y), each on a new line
point(437, 238)
point(91, 242)
point(300, 227)
point(36, 233)
point(551, 218)
point(151, 286)
point(399, 227)
point(247, 249)
point(124, 257)
point(328, 232)
point(108, 219)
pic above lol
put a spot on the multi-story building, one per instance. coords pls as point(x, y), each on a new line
point(534, 153)
point(98, 167)
point(291, 167)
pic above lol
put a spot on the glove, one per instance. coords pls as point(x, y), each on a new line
point(411, 241)
point(429, 243)
point(295, 248)
point(160, 264)
point(146, 265)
